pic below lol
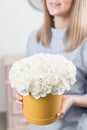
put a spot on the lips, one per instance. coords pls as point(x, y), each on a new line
point(55, 4)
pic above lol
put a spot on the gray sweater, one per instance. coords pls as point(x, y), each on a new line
point(75, 118)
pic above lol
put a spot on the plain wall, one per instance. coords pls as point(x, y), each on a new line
point(17, 20)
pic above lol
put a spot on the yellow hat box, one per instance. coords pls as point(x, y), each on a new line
point(42, 111)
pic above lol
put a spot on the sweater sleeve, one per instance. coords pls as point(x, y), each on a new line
point(84, 57)
point(84, 54)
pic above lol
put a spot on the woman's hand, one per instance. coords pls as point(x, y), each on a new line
point(68, 101)
point(19, 100)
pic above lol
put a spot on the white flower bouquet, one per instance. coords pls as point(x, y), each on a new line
point(42, 79)
point(42, 74)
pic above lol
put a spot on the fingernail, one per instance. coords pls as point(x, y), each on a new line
point(59, 114)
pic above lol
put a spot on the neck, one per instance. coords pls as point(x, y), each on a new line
point(60, 22)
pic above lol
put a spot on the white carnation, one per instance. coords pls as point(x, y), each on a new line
point(42, 74)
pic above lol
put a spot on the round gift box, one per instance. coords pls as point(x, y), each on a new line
point(42, 111)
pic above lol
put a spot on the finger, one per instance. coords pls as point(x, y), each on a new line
point(19, 97)
point(61, 117)
point(19, 103)
point(61, 113)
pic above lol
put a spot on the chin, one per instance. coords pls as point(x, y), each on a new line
point(55, 13)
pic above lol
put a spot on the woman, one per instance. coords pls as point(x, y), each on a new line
point(64, 31)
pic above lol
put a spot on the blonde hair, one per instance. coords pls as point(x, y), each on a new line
point(77, 27)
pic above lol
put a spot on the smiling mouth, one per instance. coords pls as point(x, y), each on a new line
point(54, 5)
